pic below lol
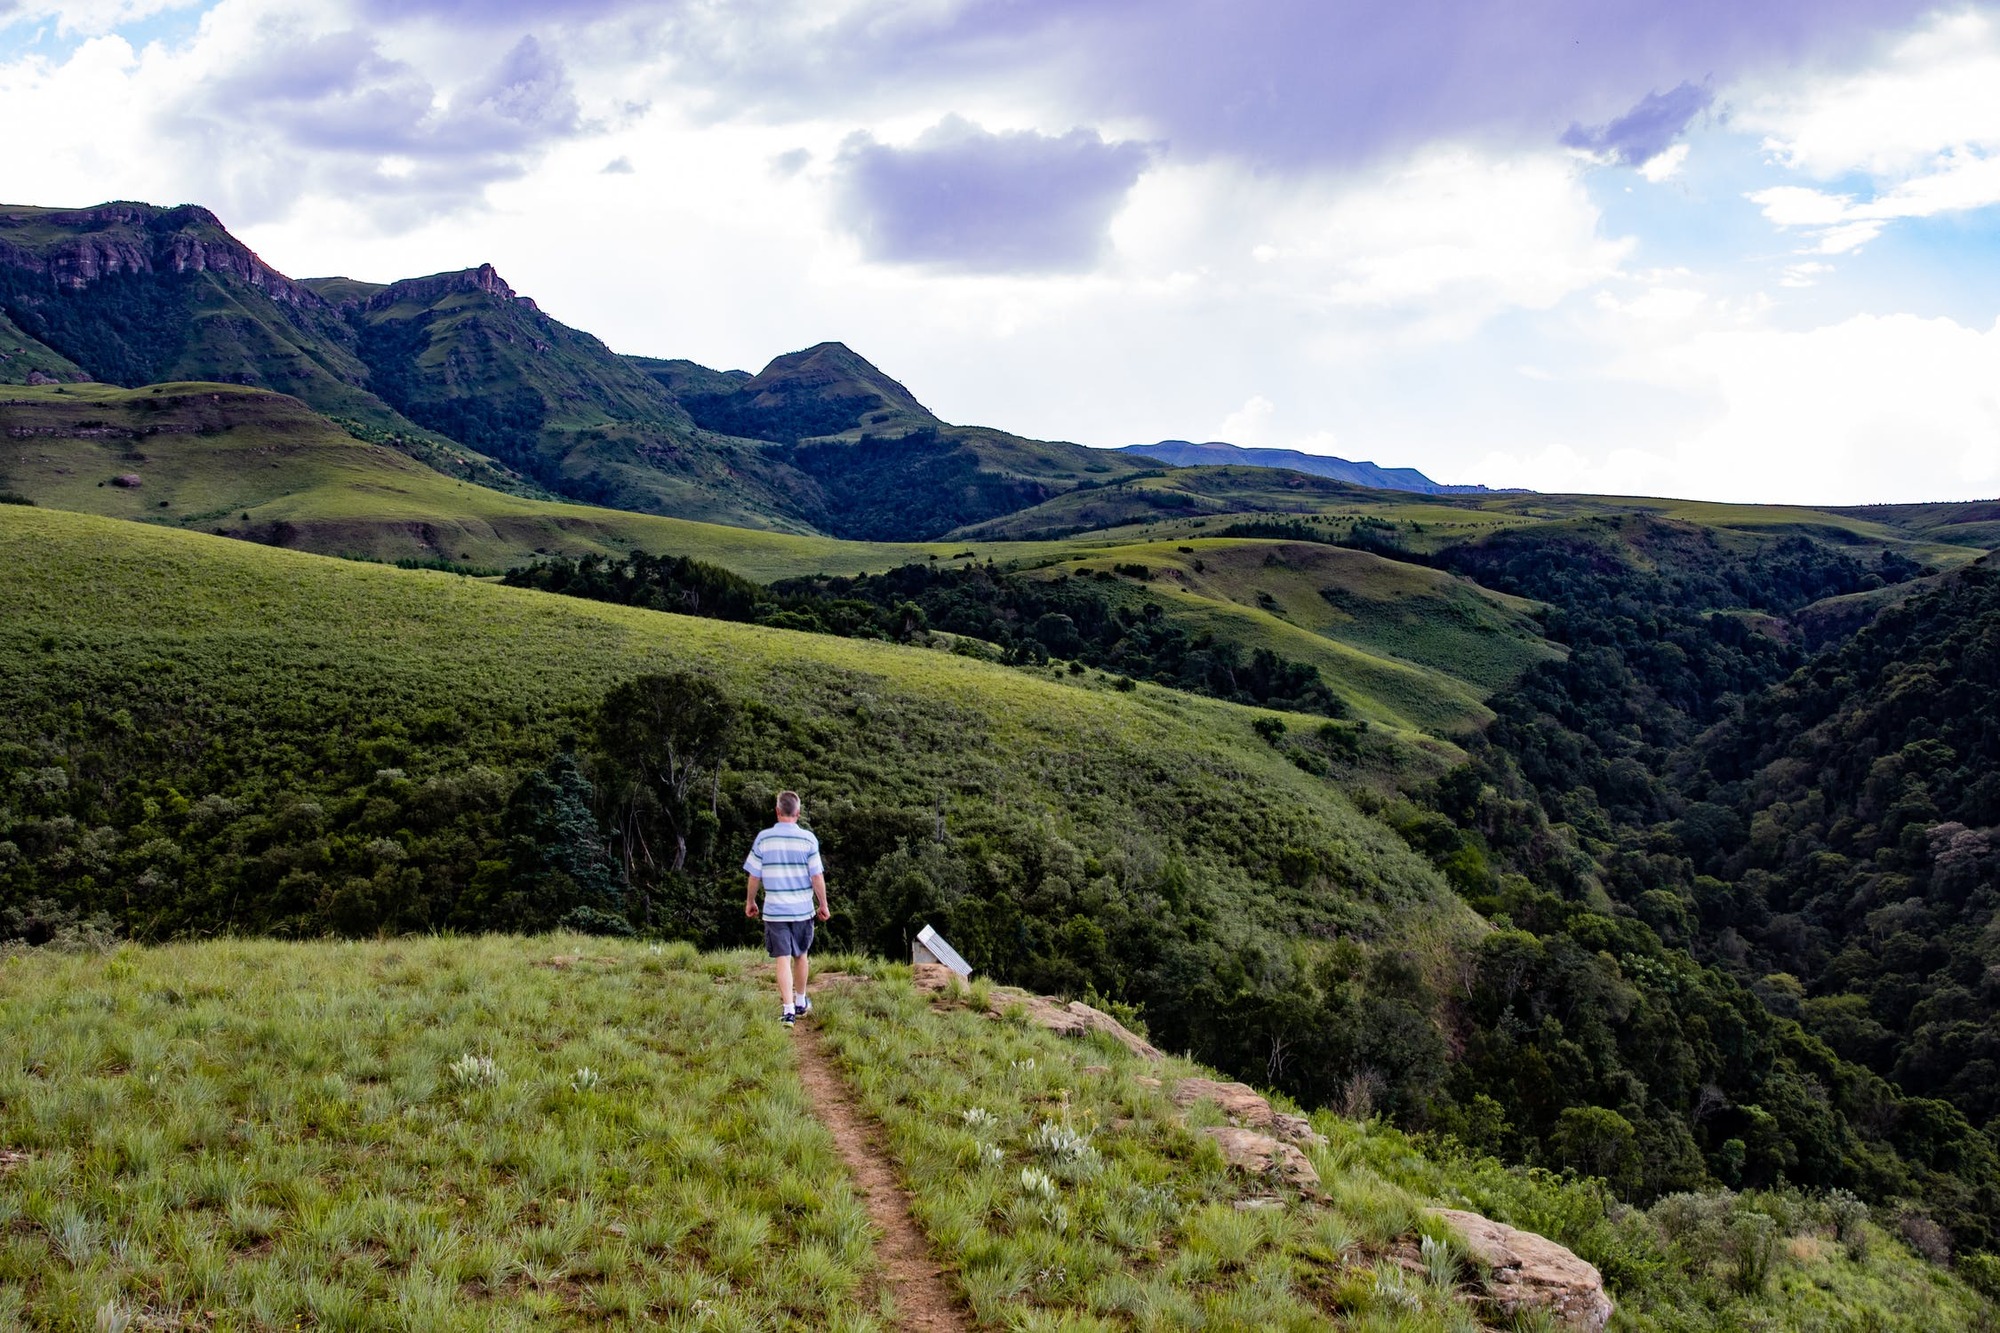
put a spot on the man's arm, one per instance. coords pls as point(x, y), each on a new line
point(819, 892)
point(750, 896)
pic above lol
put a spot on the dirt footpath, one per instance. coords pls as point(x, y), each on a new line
point(925, 1301)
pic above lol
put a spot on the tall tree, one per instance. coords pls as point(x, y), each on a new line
point(663, 740)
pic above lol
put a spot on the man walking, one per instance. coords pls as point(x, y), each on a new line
point(784, 860)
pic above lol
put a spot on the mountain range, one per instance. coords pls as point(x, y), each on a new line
point(466, 375)
point(1215, 453)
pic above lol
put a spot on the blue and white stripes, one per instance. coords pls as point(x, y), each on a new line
point(785, 857)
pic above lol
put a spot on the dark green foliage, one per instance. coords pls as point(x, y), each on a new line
point(1031, 620)
point(662, 741)
point(657, 582)
point(558, 871)
point(1851, 813)
point(1652, 662)
point(126, 329)
point(1574, 825)
point(14, 498)
point(914, 487)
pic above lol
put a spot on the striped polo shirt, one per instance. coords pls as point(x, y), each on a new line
point(785, 857)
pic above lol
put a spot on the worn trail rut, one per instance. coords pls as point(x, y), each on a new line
point(925, 1302)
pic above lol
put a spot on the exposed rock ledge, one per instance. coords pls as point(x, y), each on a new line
point(1247, 1107)
point(1527, 1272)
point(1074, 1019)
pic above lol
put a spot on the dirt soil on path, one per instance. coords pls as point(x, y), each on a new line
point(925, 1302)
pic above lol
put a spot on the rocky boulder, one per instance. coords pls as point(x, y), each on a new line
point(1262, 1155)
point(1074, 1019)
point(1527, 1272)
point(1244, 1105)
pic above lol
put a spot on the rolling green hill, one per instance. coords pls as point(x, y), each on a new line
point(1384, 607)
point(341, 685)
point(215, 453)
point(1417, 651)
point(22, 357)
point(199, 735)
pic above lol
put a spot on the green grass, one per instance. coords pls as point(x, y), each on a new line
point(1405, 644)
point(1138, 1227)
point(289, 653)
point(259, 465)
point(1068, 1194)
point(566, 1131)
point(428, 1134)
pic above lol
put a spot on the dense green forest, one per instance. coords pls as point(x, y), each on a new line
point(1850, 814)
point(1612, 1021)
point(1097, 622)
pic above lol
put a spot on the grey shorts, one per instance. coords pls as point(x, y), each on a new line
point(788, 939)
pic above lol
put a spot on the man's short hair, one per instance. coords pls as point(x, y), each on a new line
point(788, 804)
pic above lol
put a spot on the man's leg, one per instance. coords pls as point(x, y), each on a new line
point(804, 969)
point(785, 982)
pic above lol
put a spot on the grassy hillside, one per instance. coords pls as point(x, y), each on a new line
point(1385, 608)
point(568, 1132)
point(1405, 647)
point(22, 356)
point(260, 739)
point(215, 452)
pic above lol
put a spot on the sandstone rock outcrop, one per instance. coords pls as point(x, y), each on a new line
point(111, 239)
point(1527, 1272)
point(428, 291)
point(1262, 1155)
point(1074, 1019)
point(1247, 1107)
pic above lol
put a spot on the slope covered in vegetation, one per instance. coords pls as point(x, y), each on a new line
point(1571, 828)
point(1845, 829)
point(203, 735)
point(570, 1132)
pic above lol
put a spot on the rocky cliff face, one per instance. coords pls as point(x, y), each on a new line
point(77, 247)
point(428, 291)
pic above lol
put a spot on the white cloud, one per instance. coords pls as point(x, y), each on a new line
point(1924, 126)
point(1873, 409)
point(1666, 165)
point(1248, 424)
point(1938, 89)
point(1491, 232)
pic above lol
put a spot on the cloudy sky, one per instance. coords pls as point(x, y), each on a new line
point(1744, 250)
